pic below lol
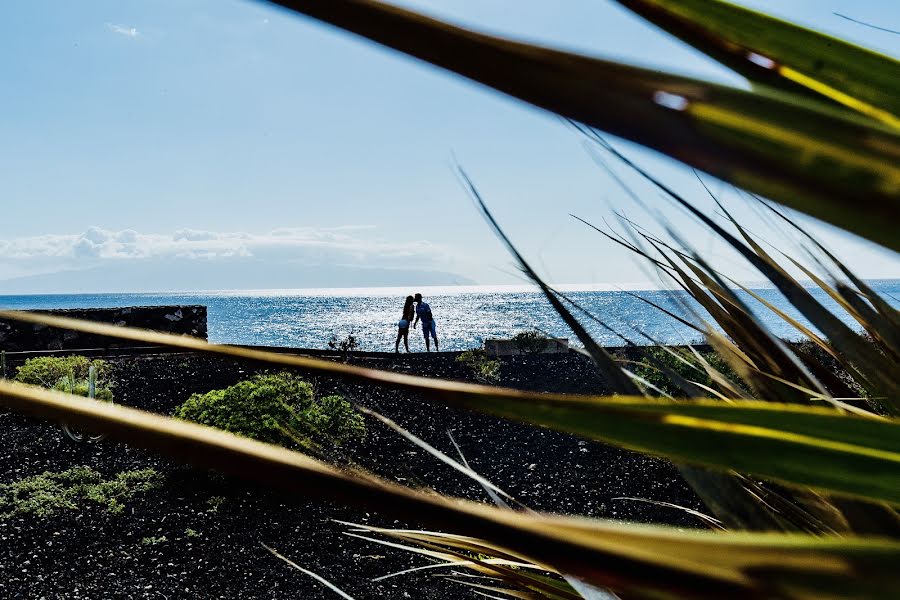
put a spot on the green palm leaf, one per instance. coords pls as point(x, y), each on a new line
point(780, 54)
point(803, 153)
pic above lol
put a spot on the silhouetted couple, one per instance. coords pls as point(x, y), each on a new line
point(421, 312)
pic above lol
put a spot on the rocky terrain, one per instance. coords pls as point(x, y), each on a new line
point(199, 534)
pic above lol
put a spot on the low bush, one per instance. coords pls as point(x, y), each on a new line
point(80, 387)
point(276, 408)
point(47, 371)
point(656, 377)
point(485, 369)
point(335, 418)
point(830, 372)
point(49, 493)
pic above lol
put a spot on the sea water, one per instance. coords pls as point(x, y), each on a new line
point(465, 316)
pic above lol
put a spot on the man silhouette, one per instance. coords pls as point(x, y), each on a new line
point(429, 329)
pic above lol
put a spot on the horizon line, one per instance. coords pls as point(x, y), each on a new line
point(433, 289)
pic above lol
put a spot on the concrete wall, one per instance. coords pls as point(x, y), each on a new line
point(186, 320)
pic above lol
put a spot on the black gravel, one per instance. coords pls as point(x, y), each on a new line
point(213, 526)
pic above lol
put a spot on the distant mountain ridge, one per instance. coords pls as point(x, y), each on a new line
point(210, 275)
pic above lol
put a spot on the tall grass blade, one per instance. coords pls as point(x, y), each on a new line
point(886, 310)
point(495, 498)
point(503, 565)
point(508, 593)
point(315, 576)
point(711, 522)
point(807, 332)
point(464, 469)
point(880, 374)
point(606, 365)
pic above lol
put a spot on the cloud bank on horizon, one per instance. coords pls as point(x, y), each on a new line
point(128, 260)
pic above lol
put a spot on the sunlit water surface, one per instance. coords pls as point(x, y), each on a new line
point(465, 316)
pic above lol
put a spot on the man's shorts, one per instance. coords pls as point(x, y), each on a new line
point(429, 328)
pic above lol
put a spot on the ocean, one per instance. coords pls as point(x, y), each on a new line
point(465, 316)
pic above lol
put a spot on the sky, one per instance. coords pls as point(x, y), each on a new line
point(207, 144)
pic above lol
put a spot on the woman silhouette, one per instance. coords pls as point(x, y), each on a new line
point(403, 325)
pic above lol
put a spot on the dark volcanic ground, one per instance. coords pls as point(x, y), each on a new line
point(213, 526)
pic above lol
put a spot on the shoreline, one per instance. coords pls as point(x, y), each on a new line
point(137, 351)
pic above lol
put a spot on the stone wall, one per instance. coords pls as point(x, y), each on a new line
point(497, 347)
point(16, 336)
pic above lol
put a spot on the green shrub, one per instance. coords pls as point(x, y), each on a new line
point(818, 360)
point(47, 371)
point(651, 374)
point(80, 388)
point(335, 418)
point(67, 374)
point(267, 407)
point(484, 368)
point(530, 342)
point(49, 493)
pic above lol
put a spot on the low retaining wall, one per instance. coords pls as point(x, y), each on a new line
point(16, 336)
point(497, 347)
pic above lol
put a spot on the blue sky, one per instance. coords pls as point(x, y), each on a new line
point(145, 144)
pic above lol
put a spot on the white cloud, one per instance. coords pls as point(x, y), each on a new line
point(349, 245)
point(125, 30)
point(193, 235)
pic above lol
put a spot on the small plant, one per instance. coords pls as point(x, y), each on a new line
point(485, 369)
point(530, 342)
point(214, 503)
point(191, 533)
point(154, 540)
point(346, 346)
point(276, 408)
point(47, 371)
point(49, 493)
